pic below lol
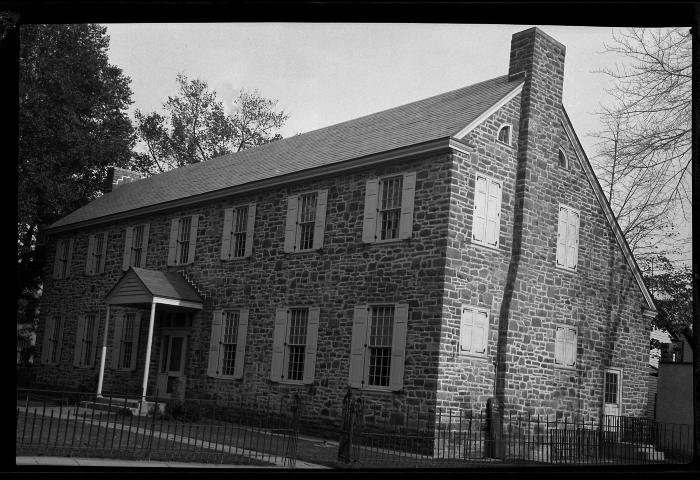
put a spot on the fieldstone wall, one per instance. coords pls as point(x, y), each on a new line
point(346, 272)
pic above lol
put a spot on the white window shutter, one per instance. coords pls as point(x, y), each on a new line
point(249, 231)
point(320, 224)
point(103, 257)
point(144, 244)
point(571, 344)
point(407, 200)
point(69, 258)
point(561, 236)
point(466, 330)
point(480, 206)
point(136, 338)
point(46, 344)
point(398, 347)
point(57, 259)
point(193, 238)
point(358, 346)
point(172, 243)
point(481, 325)
point(240, 343)
point(572, 240)
point(79, 347)
point(493, 213)
point(311, 344)
point(226, 235)
point(559, 346)
point(117, 339)
point(290, 227)
point(128, 240)
point(95, 336)
point(279, 337)
point(369, 225)
point(89, 259)
point(215, 344)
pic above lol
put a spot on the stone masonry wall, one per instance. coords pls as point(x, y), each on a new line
point(345, 273)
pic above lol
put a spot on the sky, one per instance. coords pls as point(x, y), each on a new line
point(326, 73)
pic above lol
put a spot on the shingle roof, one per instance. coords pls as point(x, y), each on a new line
point(167, 285)
point(433, 118)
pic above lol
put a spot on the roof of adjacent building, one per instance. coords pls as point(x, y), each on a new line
point(433, 118)
point(162, 284)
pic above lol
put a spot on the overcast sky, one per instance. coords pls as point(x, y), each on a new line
point(327, 73)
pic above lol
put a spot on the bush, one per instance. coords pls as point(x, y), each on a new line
point(178, 410)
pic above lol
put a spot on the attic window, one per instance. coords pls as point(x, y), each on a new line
point(504, 134)
point(562, 159)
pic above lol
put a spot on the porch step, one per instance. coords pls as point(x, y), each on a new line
point(651, 453)
point(134, 407)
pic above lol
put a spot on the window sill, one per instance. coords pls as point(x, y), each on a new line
point(387, 241)
point(494, 248)
point(565, 269)
point(310, 250)
point(235, 259)
point(565, 368)
point(501, 142)
point(292, 382)
point(473, 356)
point(227, 377)
point(380, 390)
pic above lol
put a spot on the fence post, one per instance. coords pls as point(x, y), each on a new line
point(494, 438)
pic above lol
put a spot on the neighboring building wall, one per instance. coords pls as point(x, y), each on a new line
point(345, 273)
point(674, 406)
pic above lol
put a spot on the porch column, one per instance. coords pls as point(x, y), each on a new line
point(104, 355)
point(149, 343)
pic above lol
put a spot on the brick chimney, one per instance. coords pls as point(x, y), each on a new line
point(119, 176)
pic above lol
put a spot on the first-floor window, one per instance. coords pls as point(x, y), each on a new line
point(565, 346)
point(378, 346)
point(227, 343)
point(126, 339)
point(55, 336)
point(128, 334)
point(612, 379)
point(86, 340)
point(294, 344)
point(473, 331)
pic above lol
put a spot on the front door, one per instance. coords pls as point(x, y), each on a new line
point(172, 364)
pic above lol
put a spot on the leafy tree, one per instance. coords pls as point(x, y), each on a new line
point(73, 124)
point(644, 146)
point(672, 290)
point(195, 127)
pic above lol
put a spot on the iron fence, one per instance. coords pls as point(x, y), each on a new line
point(68, 423)
point(451, 437)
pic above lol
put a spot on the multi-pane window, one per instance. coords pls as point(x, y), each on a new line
point(97, 247)
point(229, 341)
point(183, 239)
point(611, 386)
point(390, 190)
point(137, 246)
point(127, 341)
point(486, 222)
point(88, 340)
point(307, 220)
point(379, 345)
point(562, 159)
point(239, 233)
point(61, 264)
point(565, 346)
point(568, 238)
point(474, 331)
point(296, 343)
point(97, 252)
point(55, 339)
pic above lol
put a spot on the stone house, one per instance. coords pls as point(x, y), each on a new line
point(435, 254)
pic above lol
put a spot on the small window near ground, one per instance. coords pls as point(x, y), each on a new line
point(504, 134)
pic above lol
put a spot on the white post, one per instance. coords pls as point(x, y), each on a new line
point(148, 349)
point(104, 355)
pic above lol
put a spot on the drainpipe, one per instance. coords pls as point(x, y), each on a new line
point(104, 355)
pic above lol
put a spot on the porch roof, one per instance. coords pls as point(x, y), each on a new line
point(139, 286)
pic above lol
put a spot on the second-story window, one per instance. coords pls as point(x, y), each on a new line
point(97, 252)
point(62, 261)
point(486, 223)
point(237, 240)
point(390, 190)
point(183, 237)
point(135, 245)
point(567, 238)
point(306, 221)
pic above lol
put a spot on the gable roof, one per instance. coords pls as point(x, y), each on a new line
point(168, 285)
point(440, 116)
point(607, 210)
